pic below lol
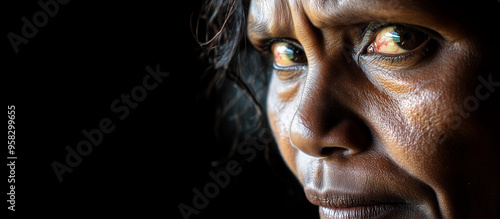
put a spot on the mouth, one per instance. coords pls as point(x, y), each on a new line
point(335, 205)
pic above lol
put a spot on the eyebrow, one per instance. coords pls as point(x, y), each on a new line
point(329, 13)
point(260, 26)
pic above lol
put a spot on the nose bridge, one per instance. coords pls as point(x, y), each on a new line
point(316, 105)
point(323, 125)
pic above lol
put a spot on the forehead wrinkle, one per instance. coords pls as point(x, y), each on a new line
point(325, 13)
point(343, 12)
point(275, 17)
point(270, 18)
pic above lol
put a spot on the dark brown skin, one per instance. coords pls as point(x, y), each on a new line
point(371, 136)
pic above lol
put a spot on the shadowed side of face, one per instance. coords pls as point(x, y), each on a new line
point(385, 107)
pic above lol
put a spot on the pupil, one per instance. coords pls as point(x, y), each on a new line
point(407, 36)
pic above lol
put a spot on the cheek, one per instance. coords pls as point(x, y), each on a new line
point(424, 135)
point(281, 107)
point(412, 137)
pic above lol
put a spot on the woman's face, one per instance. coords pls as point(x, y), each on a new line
point(384, 107)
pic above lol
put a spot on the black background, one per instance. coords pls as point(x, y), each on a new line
point(66, 77)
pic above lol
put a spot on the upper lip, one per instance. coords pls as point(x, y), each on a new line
point(339, 200)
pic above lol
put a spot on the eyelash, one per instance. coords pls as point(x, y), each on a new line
point(267, 44)
point(391, 59)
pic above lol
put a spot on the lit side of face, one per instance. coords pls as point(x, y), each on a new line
point(370, 103)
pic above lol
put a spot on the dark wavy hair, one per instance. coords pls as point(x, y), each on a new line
point(239, 75)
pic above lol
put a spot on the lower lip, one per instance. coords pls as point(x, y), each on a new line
point(360, 212)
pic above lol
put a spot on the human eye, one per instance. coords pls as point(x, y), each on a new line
point(398, 43)
point(395, 40)
point(288, 55)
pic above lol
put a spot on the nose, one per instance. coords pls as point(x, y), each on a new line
point(323, 126)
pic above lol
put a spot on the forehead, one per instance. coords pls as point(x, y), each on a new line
point(279, 17)
point(322, 10)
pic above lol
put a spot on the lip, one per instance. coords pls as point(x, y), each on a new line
point(336, 205)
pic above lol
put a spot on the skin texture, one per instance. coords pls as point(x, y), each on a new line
point(349, 123)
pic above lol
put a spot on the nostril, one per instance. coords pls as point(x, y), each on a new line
point(328, 151)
